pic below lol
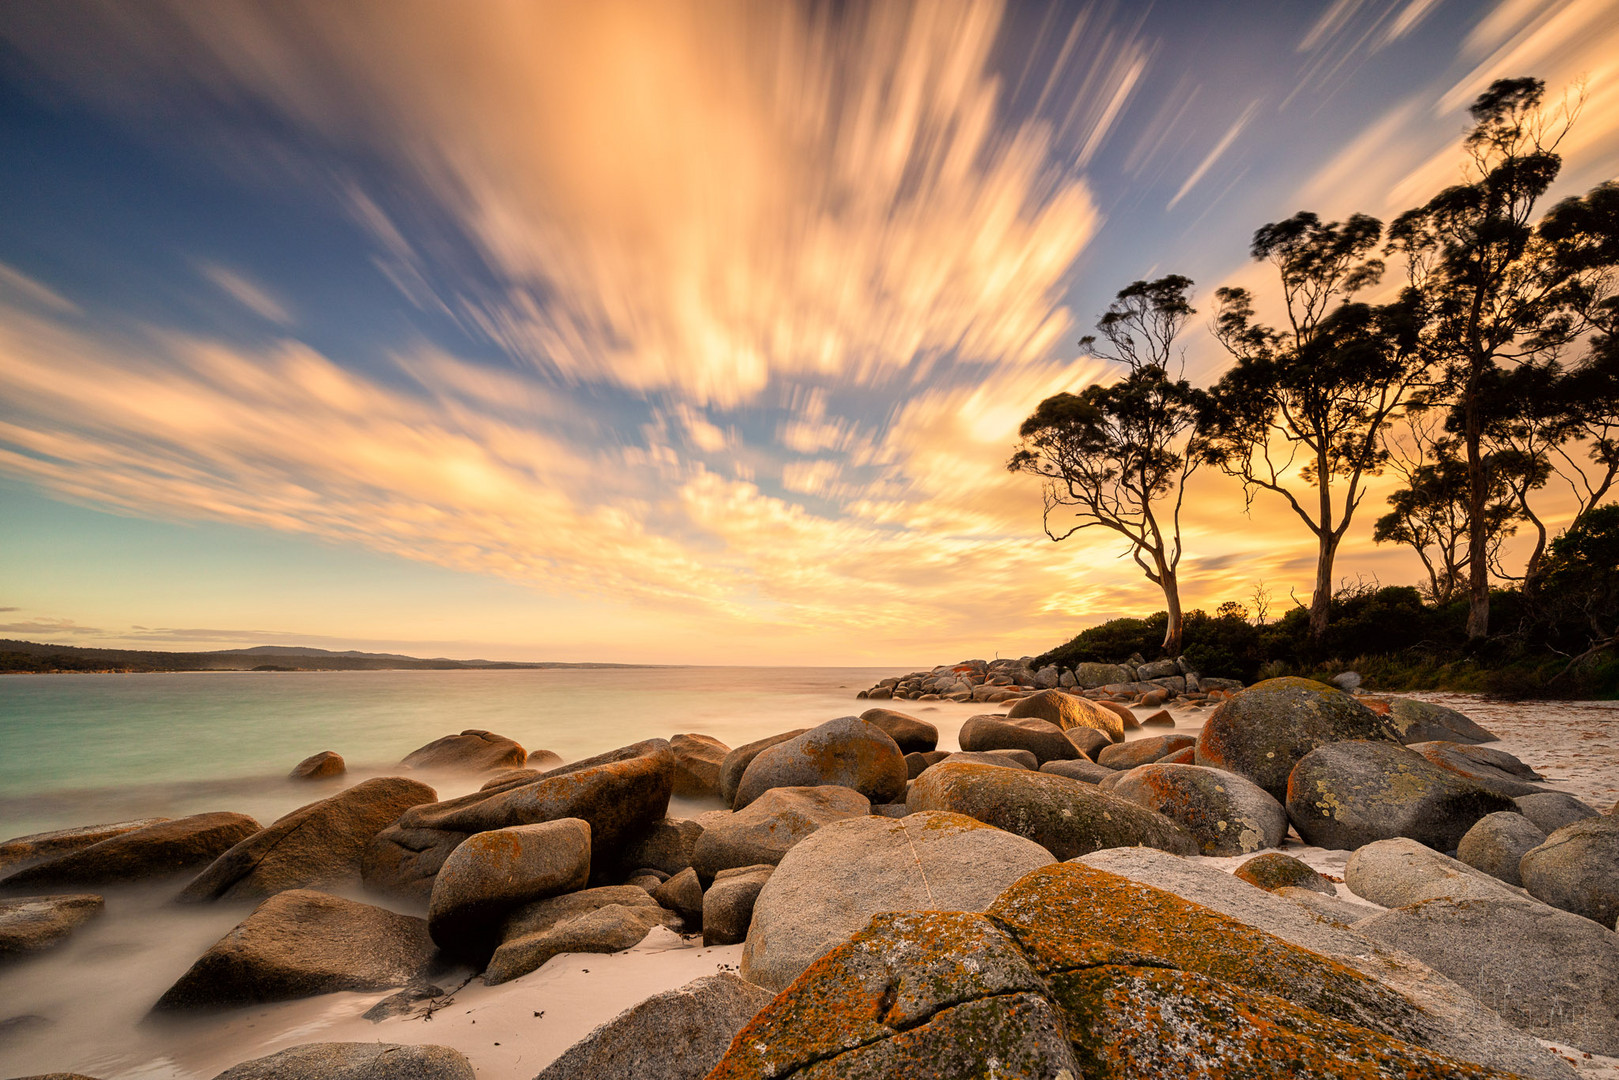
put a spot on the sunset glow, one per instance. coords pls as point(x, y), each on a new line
point(667, 332)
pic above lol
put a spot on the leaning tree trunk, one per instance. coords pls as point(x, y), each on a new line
point(1478, 527)
point(1172, 602)
point(1321, 599)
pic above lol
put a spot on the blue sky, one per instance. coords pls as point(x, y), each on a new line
point(666, 332)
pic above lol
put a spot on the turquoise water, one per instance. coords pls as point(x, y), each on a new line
point(76, 749)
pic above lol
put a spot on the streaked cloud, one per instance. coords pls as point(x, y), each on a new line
point(1215, 154)
point(250, 294)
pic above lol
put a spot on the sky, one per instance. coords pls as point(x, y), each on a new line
point(667, 332)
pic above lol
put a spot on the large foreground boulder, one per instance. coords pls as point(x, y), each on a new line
point(31, 924)
point(471, 751)
point(1551, 973)
point(697, 765)
point(299, 943)
point(678, 1035)
point(1497, 843)
point(621, 794)
point(831, 885)
point(356, 1061)
point(1262, 732)
point(1224, 813)
point(1069, 711)
point(1446, 1018)
point(1041, 738)
point(1066, 817)
point(495, 872)
point(318, 846)
point(1423, 721)
point(1043, 990)
point(1349, 794)
point(764, 830)
point(911, 735)
point(847, 752)
point(158, 850)
point(1401, 871)
point(26, 849)
point(1577, 869)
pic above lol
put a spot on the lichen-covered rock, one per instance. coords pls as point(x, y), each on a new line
point(1127, 755)
point(893, 981)
point(31, 924)
point(1489, 768)
point(831, 884)
point(847, 752)
point(1497, 842)
point(1329, 906)
point(1262, 732)
point(327, 763)
point(355, 1061)
point(1274, 870)
point(1577, 869)
point(1446, 1018)
point(1090, 675)
point(299, 943)
point(738, 760)
point(610, 928)
point(471, 751)
point(763, 831)
point(318, 846)
point(1551, 810)
point(1069, 711)
point(1041, 738)
point(911, 735)
point(677, 1035)
point(1224, 813)
point(728, 903)
point(35, 846)
point(1348, 794)
point(1398, 872)
point(1066, 817)
point(1424, 721)
point(957, 995)
point(495, 872)
point(152, 851)
point(697, 765)
point(1549, 972)
point(622, 794)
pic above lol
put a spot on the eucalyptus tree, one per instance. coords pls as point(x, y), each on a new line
point(1498, 292)
point(1305, 402)
point(1118, 455)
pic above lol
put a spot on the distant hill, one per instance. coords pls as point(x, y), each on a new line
point(33, 656)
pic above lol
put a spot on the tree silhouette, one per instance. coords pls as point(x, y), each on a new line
point(1496, 291)
point(1305, 403)
point(1111, 452)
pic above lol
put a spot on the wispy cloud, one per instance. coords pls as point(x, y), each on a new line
point(1215, 154)
point(250, 294)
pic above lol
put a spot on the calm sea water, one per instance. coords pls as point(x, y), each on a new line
point(76, 749)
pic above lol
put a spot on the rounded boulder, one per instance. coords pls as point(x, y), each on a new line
point(912, 735)
point(1262, 732)
point(1577, 869)
point(1346, 795)
point(847, 752)
point(1041, 738)
point(1066, 817)
point(1498, 842)
point(473, 750)
point(1069, 711)
point(493, 873)
point(1222, 812)
point(763, 831)
point(830, 886)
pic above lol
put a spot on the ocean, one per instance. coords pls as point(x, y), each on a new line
point(79, 749)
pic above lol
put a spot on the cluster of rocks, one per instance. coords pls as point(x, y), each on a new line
point(1019, 906)
point(996, 681)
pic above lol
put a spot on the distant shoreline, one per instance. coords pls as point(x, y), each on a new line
point(40, 658)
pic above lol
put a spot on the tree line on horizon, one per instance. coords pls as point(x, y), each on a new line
point(1492, 370)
